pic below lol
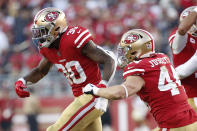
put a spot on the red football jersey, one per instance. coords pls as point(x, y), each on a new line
point(163, 91)
point(190, 82)
point(77, 68)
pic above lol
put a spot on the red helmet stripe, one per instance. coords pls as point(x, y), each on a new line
point(35, 18)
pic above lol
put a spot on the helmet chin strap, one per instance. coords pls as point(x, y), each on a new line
point(122, 61)
point(55, 43)
point(47, 43)
point(64, 30)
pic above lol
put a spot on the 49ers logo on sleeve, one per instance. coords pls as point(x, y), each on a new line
point(51, 16)
point(131, 38)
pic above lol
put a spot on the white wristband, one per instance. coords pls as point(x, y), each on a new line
point(23, 80)
point(126, 91)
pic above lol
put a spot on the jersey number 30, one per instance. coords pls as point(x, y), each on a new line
point(169, 83)
point(73, 72)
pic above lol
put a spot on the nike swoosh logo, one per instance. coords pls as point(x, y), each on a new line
point(62, 60)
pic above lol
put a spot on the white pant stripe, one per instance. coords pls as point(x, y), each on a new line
point(164, 129)
point(79, 116)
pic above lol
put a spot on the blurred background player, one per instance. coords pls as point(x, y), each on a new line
point(183, 43)
point(73, 52)
point(7, 110)
point(31, 108)
point(154, 79)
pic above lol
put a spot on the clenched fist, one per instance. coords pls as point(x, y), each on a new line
point(90, 89)
point(19, 88)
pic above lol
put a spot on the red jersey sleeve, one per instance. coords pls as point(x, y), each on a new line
point(82, 36)
point(133, 68)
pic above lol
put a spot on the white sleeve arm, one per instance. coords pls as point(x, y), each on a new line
point(188, 67)
point(179, 43)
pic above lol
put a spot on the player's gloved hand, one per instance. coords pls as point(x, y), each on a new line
point(101, 103)
point(93, 89)
point(90, 89)
point(19, 88)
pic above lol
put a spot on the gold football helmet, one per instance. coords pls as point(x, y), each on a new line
point(134, 45)
point(48, 24)
point(193, 29)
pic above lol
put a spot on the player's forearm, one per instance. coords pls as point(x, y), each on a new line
point(34, 76)
point(112, 93)
point(39, 72)
point(130, 87)
point(187, 22)
point(188, 67)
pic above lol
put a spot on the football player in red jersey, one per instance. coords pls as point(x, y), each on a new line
point(183, 43)
point(154, 79)
point(73, 52)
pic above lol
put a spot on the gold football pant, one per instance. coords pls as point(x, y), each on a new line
point(190, 127)
point(192, 103)
point(80, 115)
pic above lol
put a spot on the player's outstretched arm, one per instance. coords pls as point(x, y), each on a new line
point(101, 56)
point(39, 72)
point(35, 75)
point(131, 86)
point(187, 22)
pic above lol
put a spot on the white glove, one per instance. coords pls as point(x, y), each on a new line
point(90, 89)
point(101, 103)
